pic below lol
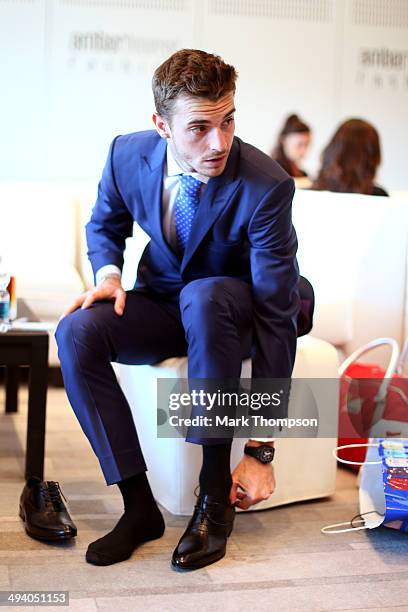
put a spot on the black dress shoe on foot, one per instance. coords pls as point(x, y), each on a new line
point(205, 539)
point(44, 513)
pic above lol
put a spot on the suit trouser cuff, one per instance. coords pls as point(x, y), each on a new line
point(122, 465)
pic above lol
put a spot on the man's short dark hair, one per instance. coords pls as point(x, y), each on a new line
point(191, 72)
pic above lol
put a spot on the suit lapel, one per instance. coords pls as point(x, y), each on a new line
point(217, 194)
point(152, 188)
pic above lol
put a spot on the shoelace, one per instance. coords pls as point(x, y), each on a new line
point(204, 513)
point(205, 516)
point(51, 491)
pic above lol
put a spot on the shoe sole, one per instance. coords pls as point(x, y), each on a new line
point(59, 538)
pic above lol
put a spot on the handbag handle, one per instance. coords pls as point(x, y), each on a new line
point(328, 528)
point(359, 517)
point(403, 358)
point(337, 448)
point(393, 344)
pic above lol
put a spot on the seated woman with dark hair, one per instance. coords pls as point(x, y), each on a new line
point(351, 159)
point(292, 145)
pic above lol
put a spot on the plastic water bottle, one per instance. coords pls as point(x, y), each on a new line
point(4, 294)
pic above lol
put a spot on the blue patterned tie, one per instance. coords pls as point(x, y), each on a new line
point(186, 205)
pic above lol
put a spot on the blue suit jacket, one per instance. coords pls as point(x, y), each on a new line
point(243, 228)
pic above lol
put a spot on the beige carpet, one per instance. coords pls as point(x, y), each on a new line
point(277, 559)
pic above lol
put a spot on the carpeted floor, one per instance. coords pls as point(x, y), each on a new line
point(277, 559)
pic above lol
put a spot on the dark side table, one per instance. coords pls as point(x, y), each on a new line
point(28, 348)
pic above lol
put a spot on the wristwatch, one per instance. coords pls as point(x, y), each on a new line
point(263, 453)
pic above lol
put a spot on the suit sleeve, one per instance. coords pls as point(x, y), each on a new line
point(111, 222)
point(275, 275)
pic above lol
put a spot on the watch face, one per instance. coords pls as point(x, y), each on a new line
point(266, 455)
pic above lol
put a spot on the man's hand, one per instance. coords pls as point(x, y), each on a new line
point(255, 479)
point(110, 288)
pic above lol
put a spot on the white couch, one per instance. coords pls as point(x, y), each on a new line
point(353, 248)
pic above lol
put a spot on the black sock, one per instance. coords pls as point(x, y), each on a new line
point(215, 476)
point(136, 493)
point(140, 522)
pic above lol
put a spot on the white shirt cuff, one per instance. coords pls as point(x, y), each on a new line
point(108, 269)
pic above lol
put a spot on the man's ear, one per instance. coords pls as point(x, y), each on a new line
point(161, 125)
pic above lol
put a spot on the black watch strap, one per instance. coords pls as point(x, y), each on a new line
point(264, 453)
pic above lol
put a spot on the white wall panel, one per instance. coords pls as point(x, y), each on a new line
point(78, 72)
point(284, 53)
point(23, 125)
point(101, 58)
point(375, 78)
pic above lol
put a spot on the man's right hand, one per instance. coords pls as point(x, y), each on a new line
point(110, 288)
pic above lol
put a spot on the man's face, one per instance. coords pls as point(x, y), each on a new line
point(200, 133)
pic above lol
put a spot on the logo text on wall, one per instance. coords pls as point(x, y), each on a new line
point(116, 52)
point(383, 68)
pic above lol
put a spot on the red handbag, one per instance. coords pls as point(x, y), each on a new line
point(373, 401)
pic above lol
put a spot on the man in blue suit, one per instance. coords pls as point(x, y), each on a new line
point(218, 281)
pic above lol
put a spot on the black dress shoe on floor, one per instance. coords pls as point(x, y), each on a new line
point(44, 513)
point(205, 539)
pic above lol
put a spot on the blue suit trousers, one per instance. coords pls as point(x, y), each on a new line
point(210, 323)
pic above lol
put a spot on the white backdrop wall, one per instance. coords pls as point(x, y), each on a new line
point(75, 73)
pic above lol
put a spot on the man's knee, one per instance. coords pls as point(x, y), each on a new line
point(205, 301)
point(215, 290)
point(80, 326)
